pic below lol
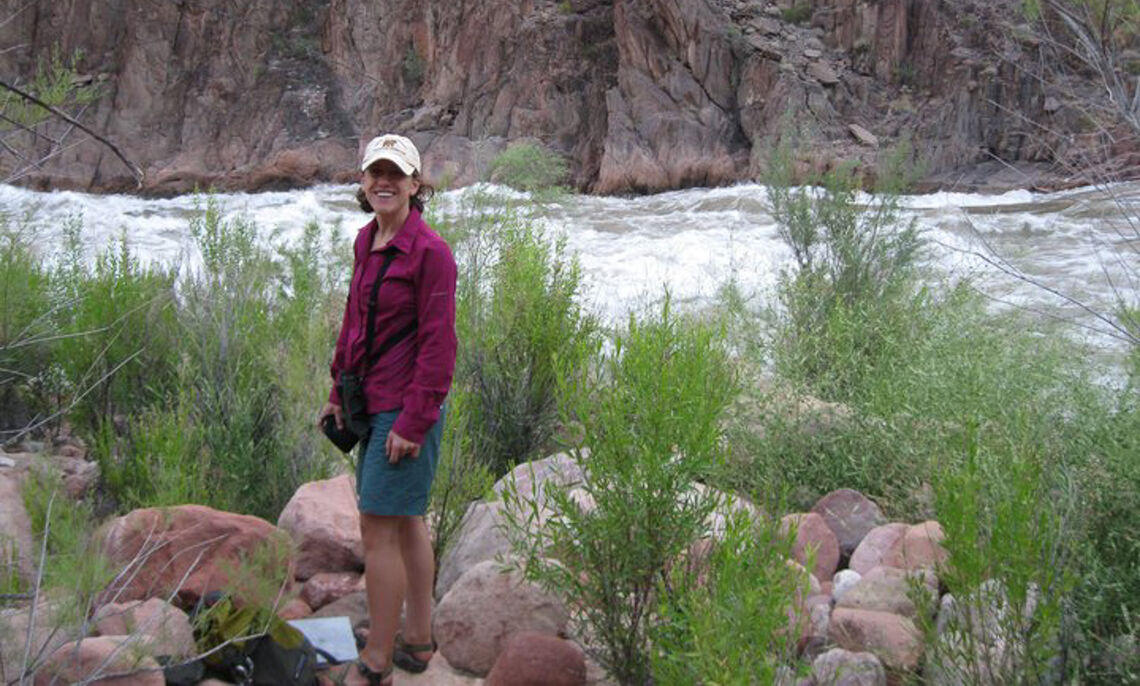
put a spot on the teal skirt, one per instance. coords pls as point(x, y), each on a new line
point(401, 489)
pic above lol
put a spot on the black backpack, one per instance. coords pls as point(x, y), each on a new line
point(252, 646)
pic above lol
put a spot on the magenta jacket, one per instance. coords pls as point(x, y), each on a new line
point(418, 289)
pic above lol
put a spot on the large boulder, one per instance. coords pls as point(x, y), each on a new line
point(529, 481)
point(93, 660)
point(323, 520)
point(533, 659)
point(875, 547)
point(480, 537)
point(485, 608)
point(894, 639)
point(813, 536)
point(188, 551)
point(851, 515)
point(165, 629)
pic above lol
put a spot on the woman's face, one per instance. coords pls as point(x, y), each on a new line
point(387, 188)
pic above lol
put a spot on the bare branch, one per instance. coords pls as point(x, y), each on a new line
point(136, 172)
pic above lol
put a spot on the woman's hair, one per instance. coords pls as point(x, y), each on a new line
point(422, 196)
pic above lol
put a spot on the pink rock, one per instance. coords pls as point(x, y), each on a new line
point(484, 608)
point(851, 515)
point(166, 628)
point(17, 545)
point(323, 520)
point(875, 547)
point(294, 609)
point(813, 534)
point(920, 547)
point(325, 587)
point(533, 659)
point(184, 549)
point(894, 639)
point(87, 660)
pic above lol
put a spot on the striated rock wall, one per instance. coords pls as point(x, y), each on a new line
point(640, 95)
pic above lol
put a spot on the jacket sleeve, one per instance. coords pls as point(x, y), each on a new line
point(436, 344)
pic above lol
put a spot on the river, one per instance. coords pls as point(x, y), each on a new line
point(1078, 242)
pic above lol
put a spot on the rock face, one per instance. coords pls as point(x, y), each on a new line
point(641, 95)
point(182, 550)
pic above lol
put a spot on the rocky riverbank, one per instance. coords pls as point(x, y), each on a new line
point(869, 586)
point(639, 95)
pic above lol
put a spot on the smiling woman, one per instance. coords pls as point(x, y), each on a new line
point(392, 369)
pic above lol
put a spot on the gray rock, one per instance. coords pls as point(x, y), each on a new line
point(843, 581)
point(863, 135)
point(823, 73)
point(839, 667)
point(480, 538)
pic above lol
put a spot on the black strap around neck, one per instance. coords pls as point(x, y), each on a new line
point(369, 327)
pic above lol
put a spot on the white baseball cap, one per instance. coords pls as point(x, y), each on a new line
point(395, 148)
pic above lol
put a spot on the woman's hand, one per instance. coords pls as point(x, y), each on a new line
point(334, 410)
point(399, 447)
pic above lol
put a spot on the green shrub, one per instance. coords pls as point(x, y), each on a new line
point(853, 282)
point(650, 414)
point(726, 621)
point(460, 477)
point(118, 326)
point(25, 325)
point(799, 13)
point(518, 320)
point(1008, 566)
point(532, 168)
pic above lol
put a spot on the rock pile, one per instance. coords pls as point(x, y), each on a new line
point(872, 585)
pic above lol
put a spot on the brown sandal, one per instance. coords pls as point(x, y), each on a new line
point(403, 656)
point(380, 678)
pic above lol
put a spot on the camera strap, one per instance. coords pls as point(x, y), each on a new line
point(369, 327)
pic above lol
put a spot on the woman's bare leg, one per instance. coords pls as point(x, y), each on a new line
point(419, 569)
point(384, 581)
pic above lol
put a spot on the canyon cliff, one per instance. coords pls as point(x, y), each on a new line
point(639, 95)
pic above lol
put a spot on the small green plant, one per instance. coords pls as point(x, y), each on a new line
point(532, 168)
point(650, 414)
point(799, 13)
point(413, 68)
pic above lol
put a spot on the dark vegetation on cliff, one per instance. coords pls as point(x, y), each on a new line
point(639, 95)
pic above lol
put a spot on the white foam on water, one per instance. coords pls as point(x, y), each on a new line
point(689, 241)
